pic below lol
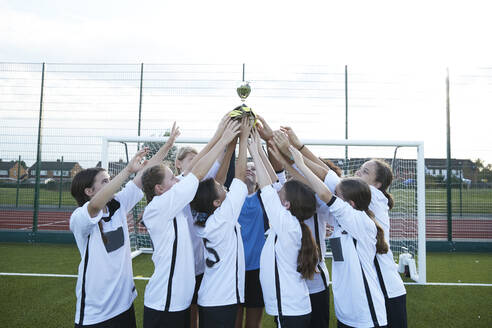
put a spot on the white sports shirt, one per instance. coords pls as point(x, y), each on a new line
point(223, 279)
point(355, 301)
point(105, 285)
point(391, 278)
point(172, 285)
point(283, 244)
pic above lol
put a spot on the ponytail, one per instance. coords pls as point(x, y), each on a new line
point(309, 254)
point(381, 245)
point(391, 202)
point(384, 175)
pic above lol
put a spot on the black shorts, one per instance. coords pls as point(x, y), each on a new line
point(198, 282)
point(396, 311)
point(253, 295)
point(123, 320)
point(296, 321)
point(320, 304)
point(162, 319)
point(217, 316)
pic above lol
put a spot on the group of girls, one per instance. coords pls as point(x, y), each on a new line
point(220, 252)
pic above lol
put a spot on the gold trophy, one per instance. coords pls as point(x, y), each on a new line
point(243, 91)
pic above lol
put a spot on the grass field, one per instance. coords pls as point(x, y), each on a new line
point(50, 302)
point(473, 201)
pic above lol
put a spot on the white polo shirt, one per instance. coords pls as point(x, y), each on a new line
point(352, 306)
point(172, 285)
point(223, 279)
point(105, 285)
point(286, 229)
point(389, 270)
point(317, 284)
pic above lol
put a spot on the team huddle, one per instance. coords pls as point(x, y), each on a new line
point(231, 238)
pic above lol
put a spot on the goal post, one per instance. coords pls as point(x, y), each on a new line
point(407, 233)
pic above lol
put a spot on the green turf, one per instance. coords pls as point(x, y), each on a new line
point(26, 197)
point(50, 302)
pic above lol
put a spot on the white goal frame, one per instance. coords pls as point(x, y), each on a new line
point(420, 168)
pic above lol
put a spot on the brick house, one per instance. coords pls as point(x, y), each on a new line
point(55, 170)
point(8, 170)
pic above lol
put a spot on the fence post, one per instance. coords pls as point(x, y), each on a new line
point(61, 183)
point(18, 183)
point(38, 164)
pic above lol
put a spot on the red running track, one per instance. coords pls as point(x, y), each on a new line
point(436, 227)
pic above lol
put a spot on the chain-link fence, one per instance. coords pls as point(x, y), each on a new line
point(66, 109)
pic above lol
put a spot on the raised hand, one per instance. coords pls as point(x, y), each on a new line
point(138, 162)
point(282, 142)
point(297, 156)
point(226, 119)
point(231, 130)
point(293, 139)
point(266, 132)
point(275, 152)
point(174, 133)
point(253, 144)
point(246, 126)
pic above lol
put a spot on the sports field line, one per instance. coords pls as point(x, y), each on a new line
point(53, 275)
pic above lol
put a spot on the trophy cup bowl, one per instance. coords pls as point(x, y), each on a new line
point(243, 90)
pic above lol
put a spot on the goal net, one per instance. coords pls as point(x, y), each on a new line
point(407, 218)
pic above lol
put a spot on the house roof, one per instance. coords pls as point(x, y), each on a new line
point(54, 166)
point(6, 165)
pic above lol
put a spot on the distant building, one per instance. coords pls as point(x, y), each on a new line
point(405, 168)
point(114, 167)
point(9, 170)
point(460, 168)
point(55, 170)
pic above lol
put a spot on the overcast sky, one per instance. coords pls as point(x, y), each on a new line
point(372, 37)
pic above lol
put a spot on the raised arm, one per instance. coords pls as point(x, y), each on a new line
point(294, 141)
point(201, 168)
point(319, 170)
point(266, 133)
point(98, 202)
point(288, 166)
point(314, 182)
point(216, 137)
point(224, 165)
point(240, 171)
point(160, 155)
point(262, 176)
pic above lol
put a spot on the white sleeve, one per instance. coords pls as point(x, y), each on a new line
point(274, 209)
point(231, 207)
point(129, 196)
point(81, 222)
point(331, 180)
point(349, 218)
point(277, 185)
point(212, 173)
point(325, 215)
point(175, 199)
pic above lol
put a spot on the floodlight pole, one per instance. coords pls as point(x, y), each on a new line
point(140, 103)
point(38, 164)
point(448, 164)
point(346, 121)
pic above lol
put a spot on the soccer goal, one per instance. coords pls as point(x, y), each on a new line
point(406, 158)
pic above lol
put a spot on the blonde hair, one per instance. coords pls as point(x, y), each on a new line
point(182, 153)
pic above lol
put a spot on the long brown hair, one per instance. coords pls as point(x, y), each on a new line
point(82, 180)
point(182, 153)
point(151, 177)
point(203, 202)
point(335, 168)
point(384, 175)
point(303, 206)
point(358, 191)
